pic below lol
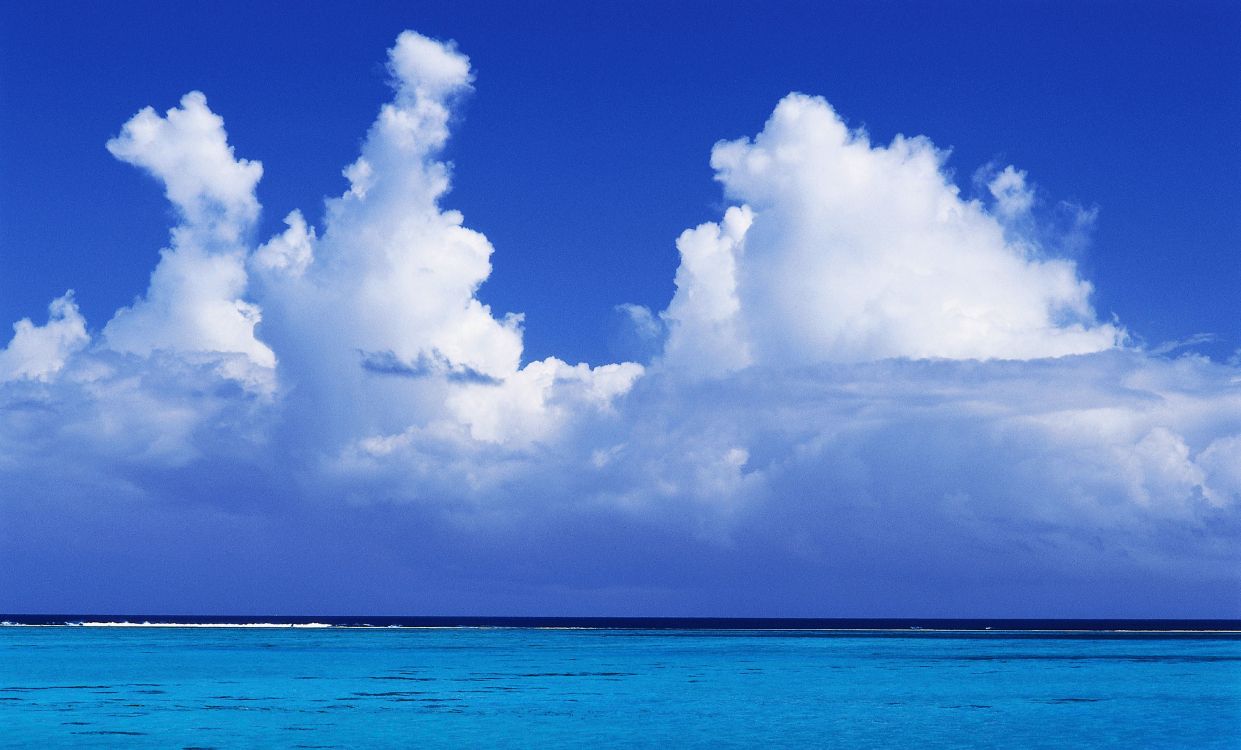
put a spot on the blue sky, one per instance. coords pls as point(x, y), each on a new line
point(999, 354)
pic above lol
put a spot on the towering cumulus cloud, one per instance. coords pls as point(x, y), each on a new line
point(382, 308)
point(194, 303)
point(844, 251)
point(871, 395)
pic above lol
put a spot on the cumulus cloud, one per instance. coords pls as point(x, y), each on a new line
point(195, 302)
point(289, 253)
point(390, 287)
point(391, 271)
point(704, 331)
point(859, 368)
point(858, 252)
point(531, 403)
point(187, 149)
point(39, 352)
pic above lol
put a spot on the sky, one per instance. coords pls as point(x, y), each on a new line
point(852, 309)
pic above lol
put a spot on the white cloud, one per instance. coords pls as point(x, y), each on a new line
point(398, 273)
point(704, 329)
point(390, 287)
point(192, 305)
point(429, 71)
point(188, 151)
point(858, 252)
point(643, 322)
point(531, 403)
point(1220, 463)
point(39, 352)
point(1013, 198)
point(289, 253)
point(195, 302)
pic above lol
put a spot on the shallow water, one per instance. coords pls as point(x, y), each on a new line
point(335, 687)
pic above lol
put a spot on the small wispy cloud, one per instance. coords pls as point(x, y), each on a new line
point(1188, 342)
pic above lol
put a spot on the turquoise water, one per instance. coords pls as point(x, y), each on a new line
point(427, 688)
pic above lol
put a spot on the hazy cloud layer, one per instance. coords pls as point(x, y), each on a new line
point(871, 393)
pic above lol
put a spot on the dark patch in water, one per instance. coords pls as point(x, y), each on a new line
point(114, 731)
point(1069, 700)
point(436, 703)
point(1140, 658)
point(53, 687)
point(579, 674)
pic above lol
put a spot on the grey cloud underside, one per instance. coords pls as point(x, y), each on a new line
point(428, 364)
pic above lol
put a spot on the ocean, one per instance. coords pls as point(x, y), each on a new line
point(666, 684)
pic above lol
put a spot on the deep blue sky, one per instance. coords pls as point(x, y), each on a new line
point(583, 152)
point(895, 416)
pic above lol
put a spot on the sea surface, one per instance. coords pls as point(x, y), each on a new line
point(532, 687)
